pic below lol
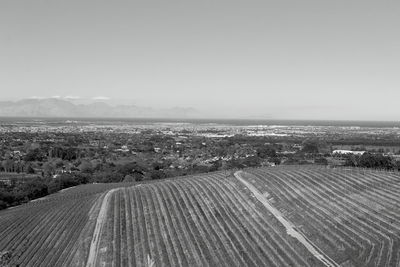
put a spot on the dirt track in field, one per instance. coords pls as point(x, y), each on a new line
point(290, 228)
point(101, 219)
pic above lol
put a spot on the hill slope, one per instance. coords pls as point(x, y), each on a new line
point(214, 220)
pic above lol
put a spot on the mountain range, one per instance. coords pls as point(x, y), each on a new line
point(54, 107)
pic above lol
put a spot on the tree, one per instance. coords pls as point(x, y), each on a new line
point(7, 196)
point(375, 161)
point(53, 185)
point(34, 155)
point(58, 163)
point(129, 178)
point(368, 160)
point(107, 177)
point(3, 205)
point(265, 152)
point(322, 161)
point(48, 168)
point(8, 165)
point(130, 168)
point(86, 167)
point(29, 169)
point(310, 146)
point(68, 180)
point(157, 174)
point(275, 160)
point(35, 188)
point(138, 176)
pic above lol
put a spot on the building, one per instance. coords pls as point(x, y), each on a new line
point(345, 152)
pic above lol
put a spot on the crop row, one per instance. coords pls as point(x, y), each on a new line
point(352, 215)
point(356, 211)
point(199, 221)
point(46, 233)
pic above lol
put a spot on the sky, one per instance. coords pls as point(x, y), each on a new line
point(240, 59)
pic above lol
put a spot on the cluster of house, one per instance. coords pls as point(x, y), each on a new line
point(347, 152)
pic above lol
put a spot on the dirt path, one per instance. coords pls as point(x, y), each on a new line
point(290, 228)
point(101, 219)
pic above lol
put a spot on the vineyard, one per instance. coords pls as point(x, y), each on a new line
point(336, 217)
point(350, 214)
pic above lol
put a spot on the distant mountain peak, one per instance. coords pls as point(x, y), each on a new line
point(56, 107)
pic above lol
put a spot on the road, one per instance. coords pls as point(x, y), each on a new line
point(101, 219)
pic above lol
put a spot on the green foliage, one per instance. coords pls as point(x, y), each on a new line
point(29, 169)
point(129, 179)
point(20, 192)
point(157, 174)
point(48, 168)
point(107, 177)
point(130, 168)
point(32, 189)
point(34, 155)
point(86, 167)
point(265, 152)
point(23, 191)
point(322, 161)
point(275, 160)
point(310, 146)
point(313, 146)
point(64, 152)
point(368, 160)
point(53, 186)
point(3, 205)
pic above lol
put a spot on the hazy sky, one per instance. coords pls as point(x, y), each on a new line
point(264, 59)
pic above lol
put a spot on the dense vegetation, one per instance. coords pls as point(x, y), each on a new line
point(31, 170)
point(51, 161)
point(375, 161)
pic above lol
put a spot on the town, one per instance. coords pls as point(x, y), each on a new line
point(43, 157)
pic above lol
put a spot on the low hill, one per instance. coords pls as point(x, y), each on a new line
point(281, 216)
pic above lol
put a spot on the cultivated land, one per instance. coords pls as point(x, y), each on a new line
point(281, 216)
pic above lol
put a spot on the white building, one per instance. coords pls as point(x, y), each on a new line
point(344, 152)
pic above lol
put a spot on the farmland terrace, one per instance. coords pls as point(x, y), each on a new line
point(280, 216)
